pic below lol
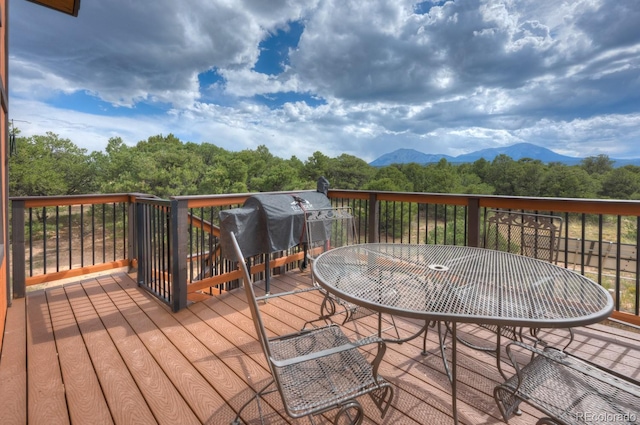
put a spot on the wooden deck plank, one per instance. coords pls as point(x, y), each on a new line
point(84, 395)
point(174, 349)
point(222, 363)
point(244, 356)
point(13, 366)
point(120, 391)
point(46, 394)
point(205, 360)
point(161, 396)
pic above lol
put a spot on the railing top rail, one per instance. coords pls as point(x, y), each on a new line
point(154, 201)
point(196, 201)
point(572, 205)
point(61, 200)
point(575, 205)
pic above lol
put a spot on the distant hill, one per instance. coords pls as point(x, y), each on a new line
point(515, 152)
point(405, 156)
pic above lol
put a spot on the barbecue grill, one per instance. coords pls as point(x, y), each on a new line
point(268, 223)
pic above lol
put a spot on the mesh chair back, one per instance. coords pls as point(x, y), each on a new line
point(251, 299)
point(533, 235)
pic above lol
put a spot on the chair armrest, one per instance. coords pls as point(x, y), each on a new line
point(284, 294)
point(351, 345)
point(346, 345)
point(334, 350)
point(514, 362)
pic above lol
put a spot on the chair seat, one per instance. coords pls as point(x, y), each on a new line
point(321, 382)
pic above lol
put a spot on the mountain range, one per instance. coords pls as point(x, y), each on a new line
point(515, 152)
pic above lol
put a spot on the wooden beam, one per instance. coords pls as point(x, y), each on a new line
point(70, 7)
point(626, 317)
point(50, 277)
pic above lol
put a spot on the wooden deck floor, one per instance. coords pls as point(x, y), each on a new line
point(104, 351)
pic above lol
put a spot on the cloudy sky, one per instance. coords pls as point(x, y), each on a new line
point(336, 76)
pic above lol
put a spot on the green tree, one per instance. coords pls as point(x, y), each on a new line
point(563, 181)
point(316, 166)
point(389, 179)
point(481, 168)
point(597, 165)
point(528, 174)
point(417, 175)
point(349, 172)
point(49, 165)
point(160, 165)
point(258, 162)
point(280, 175)
point(441, 178)
point(515, 178)
point(472, 184)
point(620, 183)
point(118, 168)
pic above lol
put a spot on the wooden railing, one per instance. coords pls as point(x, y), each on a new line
point(183, 260)
point(600, 237)
point(68, 236)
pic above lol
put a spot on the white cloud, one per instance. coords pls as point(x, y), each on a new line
point(464, 76)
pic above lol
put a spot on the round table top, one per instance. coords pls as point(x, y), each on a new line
point(461, 284)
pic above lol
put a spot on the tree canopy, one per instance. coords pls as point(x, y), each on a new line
point(165, 166)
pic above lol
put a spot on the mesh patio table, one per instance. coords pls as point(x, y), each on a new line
point(459, 284)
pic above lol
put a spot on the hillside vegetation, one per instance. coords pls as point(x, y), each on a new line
point(165, 166)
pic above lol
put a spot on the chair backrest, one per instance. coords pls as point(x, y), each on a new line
point(328, 228)
point(533, 235)
point(251, 299)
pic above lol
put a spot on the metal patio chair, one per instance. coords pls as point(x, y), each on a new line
point(319, 369)
point(327, 228)
point(532, 235)
point(528, 234)
point(567, 389)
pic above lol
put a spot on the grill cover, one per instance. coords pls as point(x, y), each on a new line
point(268, 222)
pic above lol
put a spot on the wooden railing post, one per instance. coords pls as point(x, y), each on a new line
point(374, 218)
point(473, 222)
point(132, 221)
point(179, 229)
point(18, 249)
point(141, 224)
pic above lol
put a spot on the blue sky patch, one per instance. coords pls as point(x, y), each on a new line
point(209, 78)
point(276, 100)
point(212, 87)
point(274, 51)
point(82, 101)
point(424, 7)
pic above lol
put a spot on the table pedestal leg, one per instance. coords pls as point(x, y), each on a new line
point(454, 379)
